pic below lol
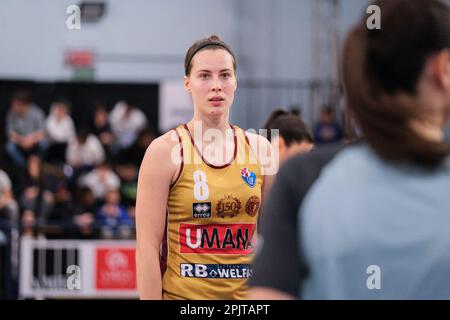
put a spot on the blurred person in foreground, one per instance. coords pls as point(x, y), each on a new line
point(375, 223)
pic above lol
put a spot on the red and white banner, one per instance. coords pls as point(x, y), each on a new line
point(115, 269)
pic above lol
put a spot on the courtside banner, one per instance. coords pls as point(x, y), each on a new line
point(77, 269)
point(115, 268)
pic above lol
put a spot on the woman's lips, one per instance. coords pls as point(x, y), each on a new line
point(216, 101)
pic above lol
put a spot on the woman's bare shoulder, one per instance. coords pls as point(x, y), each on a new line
point(164, 148)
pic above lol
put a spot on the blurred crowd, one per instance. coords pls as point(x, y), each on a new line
point(65, 181)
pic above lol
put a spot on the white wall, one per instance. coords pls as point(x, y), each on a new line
point(145, 40)
point(34, 37)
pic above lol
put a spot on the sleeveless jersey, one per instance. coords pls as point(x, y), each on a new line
point(211, 223)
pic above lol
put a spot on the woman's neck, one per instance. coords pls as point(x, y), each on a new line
point(220, 123)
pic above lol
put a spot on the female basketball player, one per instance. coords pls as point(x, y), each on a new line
point(199, 191)
point(375, 224)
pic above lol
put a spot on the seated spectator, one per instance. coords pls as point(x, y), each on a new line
point(126, 122)
point(25, 128)
point(83, 153)
point(36, 200)
point(128, 161)
point(327, 130)
point(100, 180)
point(135, 153)
point(9, 210)
point(54, 180)
point(113, 218)
point(102, 128)
point(128, 174)
point(60, 130)
point(84, 214)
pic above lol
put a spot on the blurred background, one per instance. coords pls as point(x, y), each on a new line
point(104, 78)
point(283, 47)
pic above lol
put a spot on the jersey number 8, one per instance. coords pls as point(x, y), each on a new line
point(201, 191)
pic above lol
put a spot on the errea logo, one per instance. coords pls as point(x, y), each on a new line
point(201, 210)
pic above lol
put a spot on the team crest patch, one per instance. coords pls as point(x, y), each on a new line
point(249, 177)
point(228, 206)
point(252, 206)
point(201, 210)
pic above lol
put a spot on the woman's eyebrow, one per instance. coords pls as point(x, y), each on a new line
point(209, 71)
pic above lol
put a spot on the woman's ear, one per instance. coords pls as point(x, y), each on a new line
point(187, 84)
point(442, 68)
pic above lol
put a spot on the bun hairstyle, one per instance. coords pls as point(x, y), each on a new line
point(291, 127)
point(378, 64)
point(213, 42)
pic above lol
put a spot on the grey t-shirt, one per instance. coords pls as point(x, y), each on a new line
point(32, 121)
point(371, 229)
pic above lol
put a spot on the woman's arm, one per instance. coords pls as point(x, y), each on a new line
point(155, 176)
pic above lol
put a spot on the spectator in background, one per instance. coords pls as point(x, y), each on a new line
point(37, 200)
point(128, 162)
point(126, 122)
point(100, 180)
point(102, 128)
point(327, 130)
point(55, 181)
point(128, 174)
point(60, 130)
point(83, 153)
point(113, 217)
point(84, 214)
point(9, 210)
point(135, 152)
point(25, 127)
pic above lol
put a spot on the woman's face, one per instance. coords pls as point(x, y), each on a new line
point(212, 82)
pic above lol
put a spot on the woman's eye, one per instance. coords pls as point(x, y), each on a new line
point(204, 75)
point(226, 75)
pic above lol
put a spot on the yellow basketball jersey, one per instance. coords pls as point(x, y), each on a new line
point(211, 223)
